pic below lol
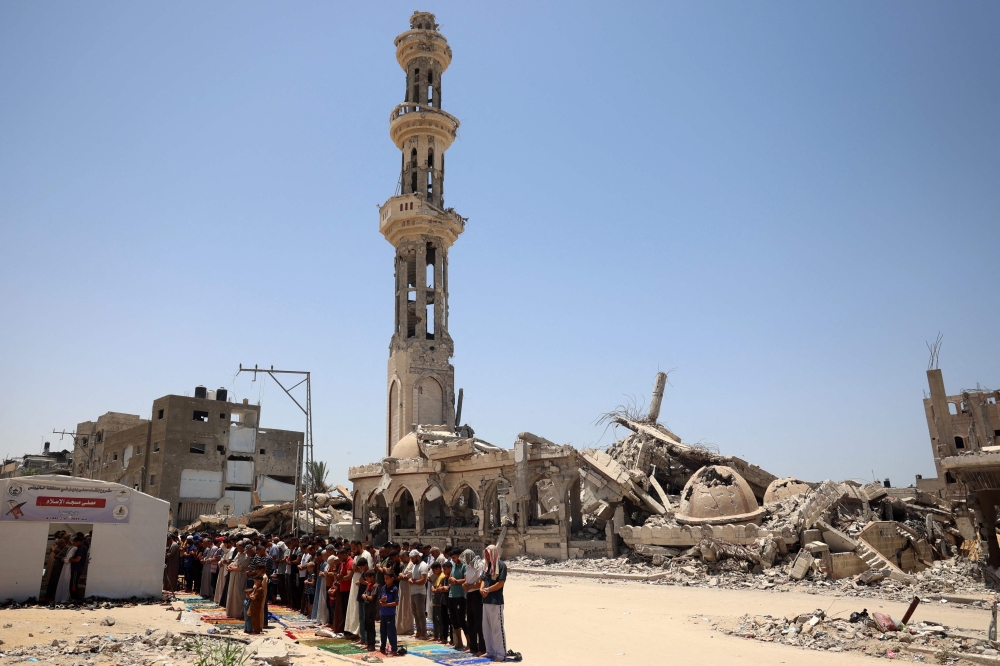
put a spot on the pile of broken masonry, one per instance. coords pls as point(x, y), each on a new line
point(155, 646)
point(319, 513)
point(690, 515)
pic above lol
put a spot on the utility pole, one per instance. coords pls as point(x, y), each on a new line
point(304, 453)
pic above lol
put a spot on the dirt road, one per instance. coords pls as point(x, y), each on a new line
point(560, 620)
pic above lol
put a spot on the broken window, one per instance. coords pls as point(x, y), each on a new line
point(138, 450)
point(953, 409)
point(222, 416)
point(159, 414)
point(263, 452)
point(114, 457)
point(200, 416)
point(959, 443)
point(156, 447)
point(949, 478)
point(197, 447)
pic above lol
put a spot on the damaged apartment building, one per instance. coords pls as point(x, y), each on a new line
point(965, 440)
point(192, 452)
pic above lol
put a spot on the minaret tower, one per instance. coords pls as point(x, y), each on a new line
point(421, 387)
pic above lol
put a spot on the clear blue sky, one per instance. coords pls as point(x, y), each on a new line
point(780, 201)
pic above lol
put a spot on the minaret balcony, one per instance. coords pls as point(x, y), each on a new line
point(411, 119)
point(410, 216)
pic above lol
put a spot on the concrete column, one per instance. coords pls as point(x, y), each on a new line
point(443, 260)
point(401, 290)
point(439, 292)
point(984, 433)
point(418, 511)
point(390, 529)
point(942, 417)
point(421, 291)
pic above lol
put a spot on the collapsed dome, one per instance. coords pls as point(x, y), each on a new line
point(717, 495)
point(407, 447)
point(782, 489)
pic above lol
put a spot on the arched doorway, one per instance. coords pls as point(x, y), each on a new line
point(464, 507)
point(378, 519)
point(404, 511)
point(545, 501)
point(435, 511)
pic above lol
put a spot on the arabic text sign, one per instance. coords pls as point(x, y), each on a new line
point(53, 503)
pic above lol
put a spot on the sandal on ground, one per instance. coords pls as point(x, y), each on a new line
point(513, 656)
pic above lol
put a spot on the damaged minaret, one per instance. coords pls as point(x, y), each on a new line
point(421, 386)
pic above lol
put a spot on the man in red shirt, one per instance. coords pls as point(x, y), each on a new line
point(345, 567)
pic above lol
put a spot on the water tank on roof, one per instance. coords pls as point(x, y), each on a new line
point(221, 394)
point(200, 392)
point(211, 395)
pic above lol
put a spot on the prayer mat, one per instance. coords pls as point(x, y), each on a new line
point(343, 648)
point(316, 642)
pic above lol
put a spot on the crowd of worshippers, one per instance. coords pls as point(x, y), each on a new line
point(66, 568)
point(351, 587)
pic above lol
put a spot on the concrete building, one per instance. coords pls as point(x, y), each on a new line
point(421, 381)
point(191, 452)
point(967, 422)
point(46, 462)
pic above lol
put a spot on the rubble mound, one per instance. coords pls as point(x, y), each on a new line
point(782, 489)
point(716, 495)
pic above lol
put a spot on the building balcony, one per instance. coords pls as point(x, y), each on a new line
point(411, 216)
point(410, 119)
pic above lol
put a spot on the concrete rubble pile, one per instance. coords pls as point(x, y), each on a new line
point(700, 514)
point(155, 646)
point(326, 513)
point(873, 633)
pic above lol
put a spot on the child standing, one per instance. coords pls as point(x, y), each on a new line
point(369, 597)
point(388, 601)
point(437, 598)
point(445, 586)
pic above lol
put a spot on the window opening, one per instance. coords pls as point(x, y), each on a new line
point(152, 479)
point(952, 409)
point(959, 443)
point(197, 447)
point(156, 447)
point(430, 173)
point(200, 416)
point(263, 452)
point(159, 414)
point(413, 170)
point(222, 416)
point(430, 321)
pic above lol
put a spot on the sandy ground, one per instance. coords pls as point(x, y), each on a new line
point(562, 620)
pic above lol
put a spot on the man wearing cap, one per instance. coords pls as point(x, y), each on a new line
point(418, 591)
